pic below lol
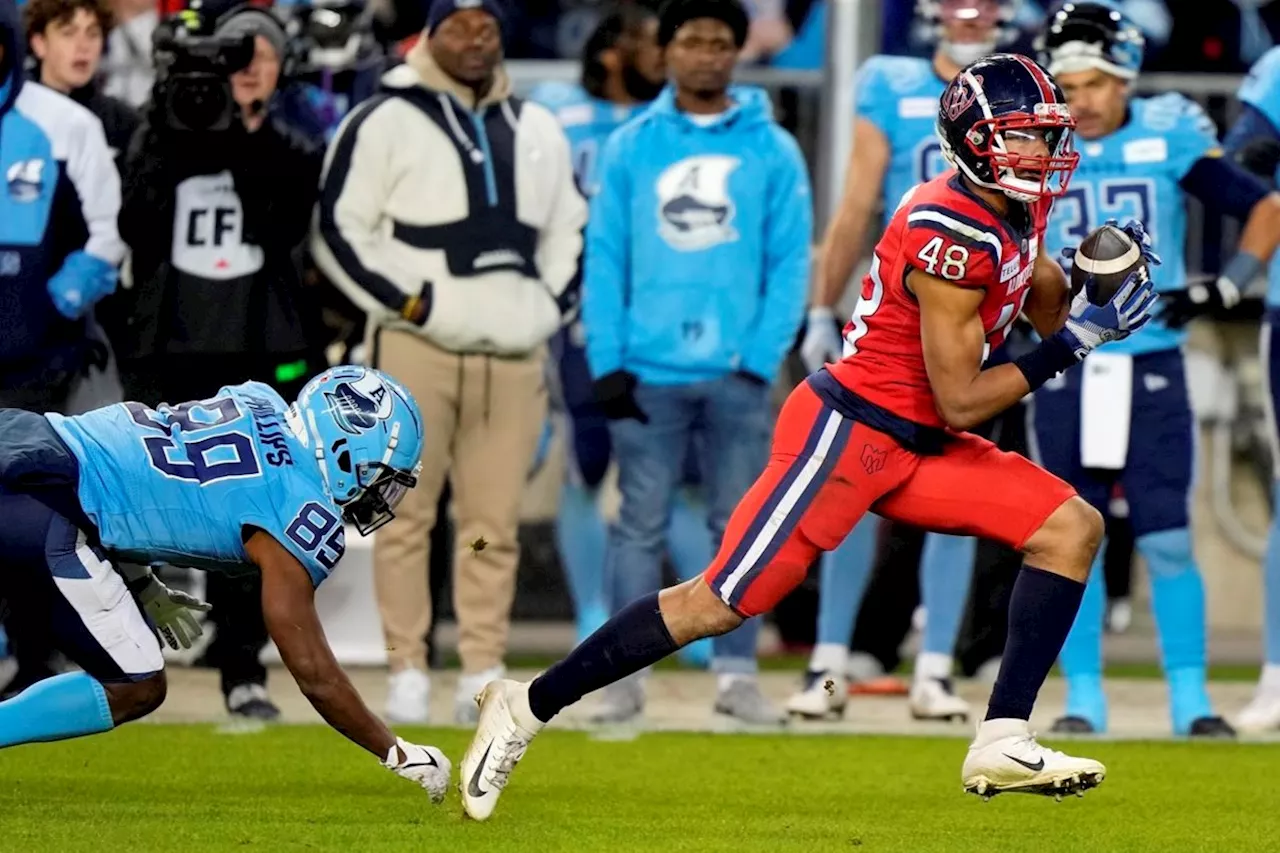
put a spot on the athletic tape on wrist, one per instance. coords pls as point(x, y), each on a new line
point(1242, 270)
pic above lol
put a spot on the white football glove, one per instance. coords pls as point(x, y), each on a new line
point(1090, 326)
point(171, 611)
point(822, 343)
point(425, 765)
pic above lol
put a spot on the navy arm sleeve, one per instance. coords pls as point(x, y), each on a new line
point(1254, 142)
point(1224, 186)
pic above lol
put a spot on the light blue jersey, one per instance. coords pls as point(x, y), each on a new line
point(1135, 173)
point(1261, 90)
point(587, 122)
point(179, 484)
point(899, 95)
point(697, 258)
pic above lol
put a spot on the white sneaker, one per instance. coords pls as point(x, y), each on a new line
point(1005, 757)
point(506, 727)
point(935, 699)
point(465, 710)
point(408, 692)
point(824, 695)
point(1260, 715)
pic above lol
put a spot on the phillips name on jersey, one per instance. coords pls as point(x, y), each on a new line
point(945, 230)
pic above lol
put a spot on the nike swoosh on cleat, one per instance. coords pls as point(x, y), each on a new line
point(473, 787)
point(1037, 767)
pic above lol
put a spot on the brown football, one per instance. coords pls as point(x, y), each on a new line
point(1110, 256)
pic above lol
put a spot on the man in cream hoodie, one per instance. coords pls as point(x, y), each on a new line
point(449, 213)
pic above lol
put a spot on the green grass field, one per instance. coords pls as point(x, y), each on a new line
point(302, 788)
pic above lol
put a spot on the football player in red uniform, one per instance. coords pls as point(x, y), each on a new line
point(884, 429)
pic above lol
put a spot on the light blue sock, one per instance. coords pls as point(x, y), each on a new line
point(1177, 600)
point(64, 706)
point(1271, 585)
point(580, 534)
point(946, 568)
point(1081, 656)
point(689, 545)
point(843, 580)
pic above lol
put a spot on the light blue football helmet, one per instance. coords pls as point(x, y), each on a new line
point(366, 432)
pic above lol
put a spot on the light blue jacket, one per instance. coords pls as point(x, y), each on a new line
point(698, 247)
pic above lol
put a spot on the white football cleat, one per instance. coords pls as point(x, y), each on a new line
point(426, 765)
point(824, 695)
point(1262, 714)
point(935, 699)
point(408, 696)
point(503, 734)
point(1005, 757)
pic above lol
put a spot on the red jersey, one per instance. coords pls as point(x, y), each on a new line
point(943, 229)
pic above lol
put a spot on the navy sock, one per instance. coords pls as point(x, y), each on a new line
point(1041, 610)
point(634, 638)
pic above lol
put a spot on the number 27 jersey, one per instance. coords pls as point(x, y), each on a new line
point(178, 484)
point(943, 229)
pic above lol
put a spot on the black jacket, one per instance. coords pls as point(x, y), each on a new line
point(213, 221)
point(119, 120)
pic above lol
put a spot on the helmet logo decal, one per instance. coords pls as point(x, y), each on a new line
point(959, 97)
point(360, 405)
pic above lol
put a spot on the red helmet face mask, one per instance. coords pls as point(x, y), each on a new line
point(1004, 141)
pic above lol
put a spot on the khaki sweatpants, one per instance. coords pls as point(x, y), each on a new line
point(482, 418)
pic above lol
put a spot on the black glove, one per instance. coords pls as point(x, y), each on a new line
point(1203, 296)
point(1260, 157)
point(615, 392)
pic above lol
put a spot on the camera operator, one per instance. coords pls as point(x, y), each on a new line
point(216, 200)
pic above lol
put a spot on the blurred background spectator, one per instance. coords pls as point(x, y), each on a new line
point(697, 273)
point(127, 70)
point(215, 205)
point(622, 72)
point(59, 253)
point(339, 63)
point(479, 270)
point(66, 39)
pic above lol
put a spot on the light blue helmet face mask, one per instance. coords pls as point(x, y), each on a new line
point(365, 431)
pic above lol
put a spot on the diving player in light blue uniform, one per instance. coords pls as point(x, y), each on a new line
point(894, 149)
point(1127, 416)
point(1254, 141)
point(622, 72)
point(240, 482)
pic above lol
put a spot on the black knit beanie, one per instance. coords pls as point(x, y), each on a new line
point(676, 13)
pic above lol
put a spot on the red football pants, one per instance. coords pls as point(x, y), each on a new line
point(826, 471)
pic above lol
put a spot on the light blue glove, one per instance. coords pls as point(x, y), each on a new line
point(1090, 326)
point(80, 284)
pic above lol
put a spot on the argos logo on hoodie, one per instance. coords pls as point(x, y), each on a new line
point(695, 210)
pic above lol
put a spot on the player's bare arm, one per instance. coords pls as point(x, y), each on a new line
point(952, 337)
point(842, 245)
point(1049, 300)
point(288, 608)
point(1261, 235)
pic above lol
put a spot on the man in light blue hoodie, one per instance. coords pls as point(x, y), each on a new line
point(697, 268)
